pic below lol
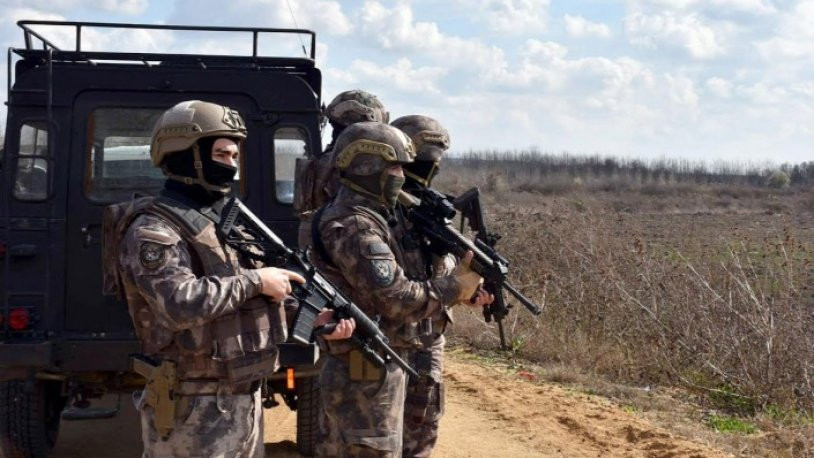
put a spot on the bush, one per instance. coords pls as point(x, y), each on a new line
point(779, 180)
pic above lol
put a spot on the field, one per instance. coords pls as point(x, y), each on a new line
point(681, 284)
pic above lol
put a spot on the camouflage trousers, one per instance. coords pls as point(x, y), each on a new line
point(210, 426)
point(362, 418)
point(424, 402)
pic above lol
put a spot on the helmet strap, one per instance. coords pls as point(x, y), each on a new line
point(425, 180)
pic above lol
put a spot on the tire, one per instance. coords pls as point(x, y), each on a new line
point(29, 418)
point(309, 411)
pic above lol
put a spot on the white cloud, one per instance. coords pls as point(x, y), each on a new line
point(719, 87)
point(577, 26)
point(698, 37)
point(794, 38)
point(747, 6)
point(513, 16)
point(129, 7)
point(401, 75)
point(393, 29)
point(323, 16)
point(682, 90)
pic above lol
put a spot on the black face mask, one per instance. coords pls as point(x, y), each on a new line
point(214, 172)
point(219, 174)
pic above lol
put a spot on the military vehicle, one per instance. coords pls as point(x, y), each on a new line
point(77, 139)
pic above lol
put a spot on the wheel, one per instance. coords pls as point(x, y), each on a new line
point(29, 418)
point(309, 412)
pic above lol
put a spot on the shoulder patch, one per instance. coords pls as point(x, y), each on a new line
point(152, 255)
point(383, 271)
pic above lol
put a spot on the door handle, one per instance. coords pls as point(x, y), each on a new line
point(87, 231)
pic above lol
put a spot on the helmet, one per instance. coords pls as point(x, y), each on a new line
point(431, 141)
point(364, 151)
point(355, 106)
point(181, 128)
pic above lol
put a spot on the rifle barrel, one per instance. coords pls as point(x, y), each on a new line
point(533, 308)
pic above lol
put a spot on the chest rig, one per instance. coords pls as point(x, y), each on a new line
point(237, 347)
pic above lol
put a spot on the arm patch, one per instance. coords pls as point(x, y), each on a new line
point(152, 255)
point(383, 271)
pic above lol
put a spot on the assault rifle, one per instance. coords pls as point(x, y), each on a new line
point(317, 292)
point(431, 214)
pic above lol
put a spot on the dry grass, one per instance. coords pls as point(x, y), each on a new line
point(703, 289)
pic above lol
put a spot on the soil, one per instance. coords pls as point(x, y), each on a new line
point(489, 413)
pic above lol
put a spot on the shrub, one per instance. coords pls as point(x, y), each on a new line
point(779, 180)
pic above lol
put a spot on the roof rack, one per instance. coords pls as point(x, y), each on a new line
point(48, 52)
point(29, 34)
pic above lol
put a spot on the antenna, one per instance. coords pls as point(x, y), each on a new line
point(288, 2)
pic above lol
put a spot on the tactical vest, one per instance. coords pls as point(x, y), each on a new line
point(401, 335)
point(237, 347)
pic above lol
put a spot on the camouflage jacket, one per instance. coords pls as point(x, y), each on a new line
point(190, 297)
point(367, 263)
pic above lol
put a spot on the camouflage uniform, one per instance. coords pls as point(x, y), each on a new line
point(195, 302)
point(159, 268)
point(358, 251)
point(317, 181)
point(424, 403)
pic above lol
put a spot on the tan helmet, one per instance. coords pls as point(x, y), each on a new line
point(431, 140)
point(354, 106)
point(365, 150)
point(180, 128)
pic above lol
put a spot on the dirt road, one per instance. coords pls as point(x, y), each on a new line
point(489, 413)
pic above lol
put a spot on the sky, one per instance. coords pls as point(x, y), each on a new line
point(729, 80)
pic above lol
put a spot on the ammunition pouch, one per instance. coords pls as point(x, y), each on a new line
point(361, 369)
point(245, 341)
point(425, 396)
point(424, 401)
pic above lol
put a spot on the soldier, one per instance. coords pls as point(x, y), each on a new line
point(424, 403)
point(206, 317)
point(319, 184)
point(354, 245)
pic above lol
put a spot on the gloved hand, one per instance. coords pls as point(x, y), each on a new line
point(468, 281)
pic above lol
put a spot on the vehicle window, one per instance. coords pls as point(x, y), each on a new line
point(289, 144)
point(31, 179)
point(118, 163)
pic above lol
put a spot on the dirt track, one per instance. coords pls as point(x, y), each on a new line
point(488, 414)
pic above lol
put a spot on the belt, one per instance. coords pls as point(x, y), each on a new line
point(403, 353)
point(204, 387)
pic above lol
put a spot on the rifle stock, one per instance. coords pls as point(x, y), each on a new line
point(317, 292)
